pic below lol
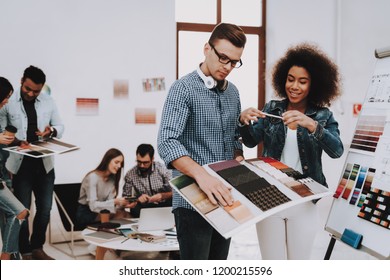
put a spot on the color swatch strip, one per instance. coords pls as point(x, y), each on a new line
point(359, 184)
point(366, 186)
point(351, 181)
point(343, 181)
point(367, 133)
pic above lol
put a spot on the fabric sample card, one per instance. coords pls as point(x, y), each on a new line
point(313, 185)
point(238, 175)
point(293, 173)
point(293, 183)
point(224, 165)
point(233, 171)
point(239, 212)
point(302, 190)
point(268, 159)
point(222, 219)
point(278, 165)
point(242, 178)
point(267, 197)
point(182, 181)
point(198, 198)
point(286, 180)
point(252, 186)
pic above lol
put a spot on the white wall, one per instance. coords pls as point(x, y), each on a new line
point(83, 46)
point(349, 31)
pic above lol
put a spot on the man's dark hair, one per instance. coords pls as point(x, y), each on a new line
point(144, 149)
point(34, 74)
point(5, 88)
point(233, 33)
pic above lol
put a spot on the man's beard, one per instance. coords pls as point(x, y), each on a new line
point(144, 171)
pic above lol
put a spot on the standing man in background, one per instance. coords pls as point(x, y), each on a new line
point(199, 126)
point(35, 115)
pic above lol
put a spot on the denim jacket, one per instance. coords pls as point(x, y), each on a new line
point(272, 132)
point(13, 113)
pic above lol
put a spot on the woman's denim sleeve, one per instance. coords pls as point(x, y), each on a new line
point(253, 134)
point(328, 136)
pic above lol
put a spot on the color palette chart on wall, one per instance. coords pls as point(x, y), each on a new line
point(356, 181)
point(87, 106)
point(361, 198)
point(368, 132)
point(376, 208)
point(355, 186)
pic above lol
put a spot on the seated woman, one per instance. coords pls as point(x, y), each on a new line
point(12, 211)
point(99, 189)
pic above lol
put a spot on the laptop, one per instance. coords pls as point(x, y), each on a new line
point(159, 218)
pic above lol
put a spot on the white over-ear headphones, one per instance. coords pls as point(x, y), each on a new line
point(209, 81)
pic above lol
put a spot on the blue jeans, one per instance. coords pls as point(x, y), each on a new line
point(32, 178)
point(84, 216)
point(10, 207)
point(198, 240)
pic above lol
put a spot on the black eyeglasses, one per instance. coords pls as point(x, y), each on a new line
point(139, 162)
point(225, 60)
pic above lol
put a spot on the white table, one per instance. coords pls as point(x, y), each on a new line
point(124, 244)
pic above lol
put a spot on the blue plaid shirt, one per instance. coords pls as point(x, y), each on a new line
point(199, 123)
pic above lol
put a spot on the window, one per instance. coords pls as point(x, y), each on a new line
point(195, 19)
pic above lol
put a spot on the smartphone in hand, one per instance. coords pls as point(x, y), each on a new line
point(131, 199)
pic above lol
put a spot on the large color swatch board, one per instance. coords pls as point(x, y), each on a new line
point(260, 187)
point(362, 198)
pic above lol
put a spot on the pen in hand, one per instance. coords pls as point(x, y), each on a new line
point(272, 116)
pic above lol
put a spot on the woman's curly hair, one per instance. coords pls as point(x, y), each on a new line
point(324, 74)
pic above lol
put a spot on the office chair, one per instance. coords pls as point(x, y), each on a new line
point(66, 198)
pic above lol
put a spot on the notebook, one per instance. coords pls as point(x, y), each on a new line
point(159, 218)
point(102, 236)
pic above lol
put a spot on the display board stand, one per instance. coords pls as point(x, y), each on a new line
point(332, 242)
point(360, 211)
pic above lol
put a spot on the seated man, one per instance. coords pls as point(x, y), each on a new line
point(148, 181)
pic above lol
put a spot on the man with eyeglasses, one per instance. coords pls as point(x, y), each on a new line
point(198, 127)
point(148, 181)
point(35, 116)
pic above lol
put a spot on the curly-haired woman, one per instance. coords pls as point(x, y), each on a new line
point(306, 81)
